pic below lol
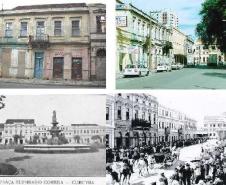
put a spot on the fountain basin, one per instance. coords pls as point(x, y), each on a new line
point(66, 148)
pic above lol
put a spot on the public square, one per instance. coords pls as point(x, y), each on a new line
point(186, 78)
point(56, 165)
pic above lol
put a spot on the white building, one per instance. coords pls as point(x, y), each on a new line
point(168, 18)
point(110, 121)
point(204, 55)
point(215, 126)
point(174, 125)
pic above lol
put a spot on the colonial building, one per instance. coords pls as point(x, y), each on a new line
point(138, 119)
point(141, 39)
point(56, 41)
point(215, 126)
point(135, 118)
point(208, 55)
point(22, 131)
point(133, 36)
point(174, 125)
point(18, 131)
point(179, 40)
point(160, 45)
point(110, 121)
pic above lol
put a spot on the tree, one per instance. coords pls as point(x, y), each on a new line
point(16, 137)
point(211, 29)
point(96, 137)
point(77, 138)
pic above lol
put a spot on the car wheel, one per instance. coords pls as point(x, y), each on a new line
point(147, 73)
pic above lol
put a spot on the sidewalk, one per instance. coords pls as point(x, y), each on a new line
point(98, 84)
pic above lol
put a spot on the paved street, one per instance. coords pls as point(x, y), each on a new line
point(187, 78)
point(72, 165)
point(185, 155)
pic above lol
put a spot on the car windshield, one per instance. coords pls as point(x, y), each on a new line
point(130, 66)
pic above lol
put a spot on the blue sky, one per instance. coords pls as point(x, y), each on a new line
point(187, 11)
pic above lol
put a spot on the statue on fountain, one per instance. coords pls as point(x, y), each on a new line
point(54, 131)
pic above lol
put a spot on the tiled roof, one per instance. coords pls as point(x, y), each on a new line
point(46, 6)
point(26, 121)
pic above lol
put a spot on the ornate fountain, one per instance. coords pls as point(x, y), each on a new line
point(55, 131)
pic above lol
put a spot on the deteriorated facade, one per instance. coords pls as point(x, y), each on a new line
point(57, 41)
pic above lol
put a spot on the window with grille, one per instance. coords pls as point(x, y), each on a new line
point(57, 28)
point(76, 28)
point(101, 23)
point(8, 29)
point(23, 29)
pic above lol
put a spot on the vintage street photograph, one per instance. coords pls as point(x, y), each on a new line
point(52, 44)
point(170, 44)
point(166, 138)
point(52, 135)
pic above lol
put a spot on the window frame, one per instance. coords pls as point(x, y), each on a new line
point(73, 29)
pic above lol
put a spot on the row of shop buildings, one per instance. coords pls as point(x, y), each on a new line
point(137, 119)
point(150, 39)
point(154, 38)
point(22, 131)
point(54, 41)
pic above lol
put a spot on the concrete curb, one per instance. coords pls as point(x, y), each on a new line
point(101, 84)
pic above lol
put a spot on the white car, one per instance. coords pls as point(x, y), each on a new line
point(169, 67)
point(161, 67)
point(175, 66)
point(180, 66)
point(135, 70)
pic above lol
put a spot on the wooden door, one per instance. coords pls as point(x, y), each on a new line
point(76, 68)
point(58, 67)
point(38, 71)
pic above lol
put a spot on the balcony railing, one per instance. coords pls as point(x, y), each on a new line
point(39, 41)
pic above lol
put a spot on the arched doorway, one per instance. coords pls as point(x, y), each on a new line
point(101, 64)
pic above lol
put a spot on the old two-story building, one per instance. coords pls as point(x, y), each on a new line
point(55, 41)
point(135, 119)
point(141, 39)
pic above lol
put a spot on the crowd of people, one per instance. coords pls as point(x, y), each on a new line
point(142, 160)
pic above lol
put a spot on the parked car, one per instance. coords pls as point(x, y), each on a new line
point(174, 66)
point(135, 70)
point(180, 66)
point(169, 67)
point(161, 67)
